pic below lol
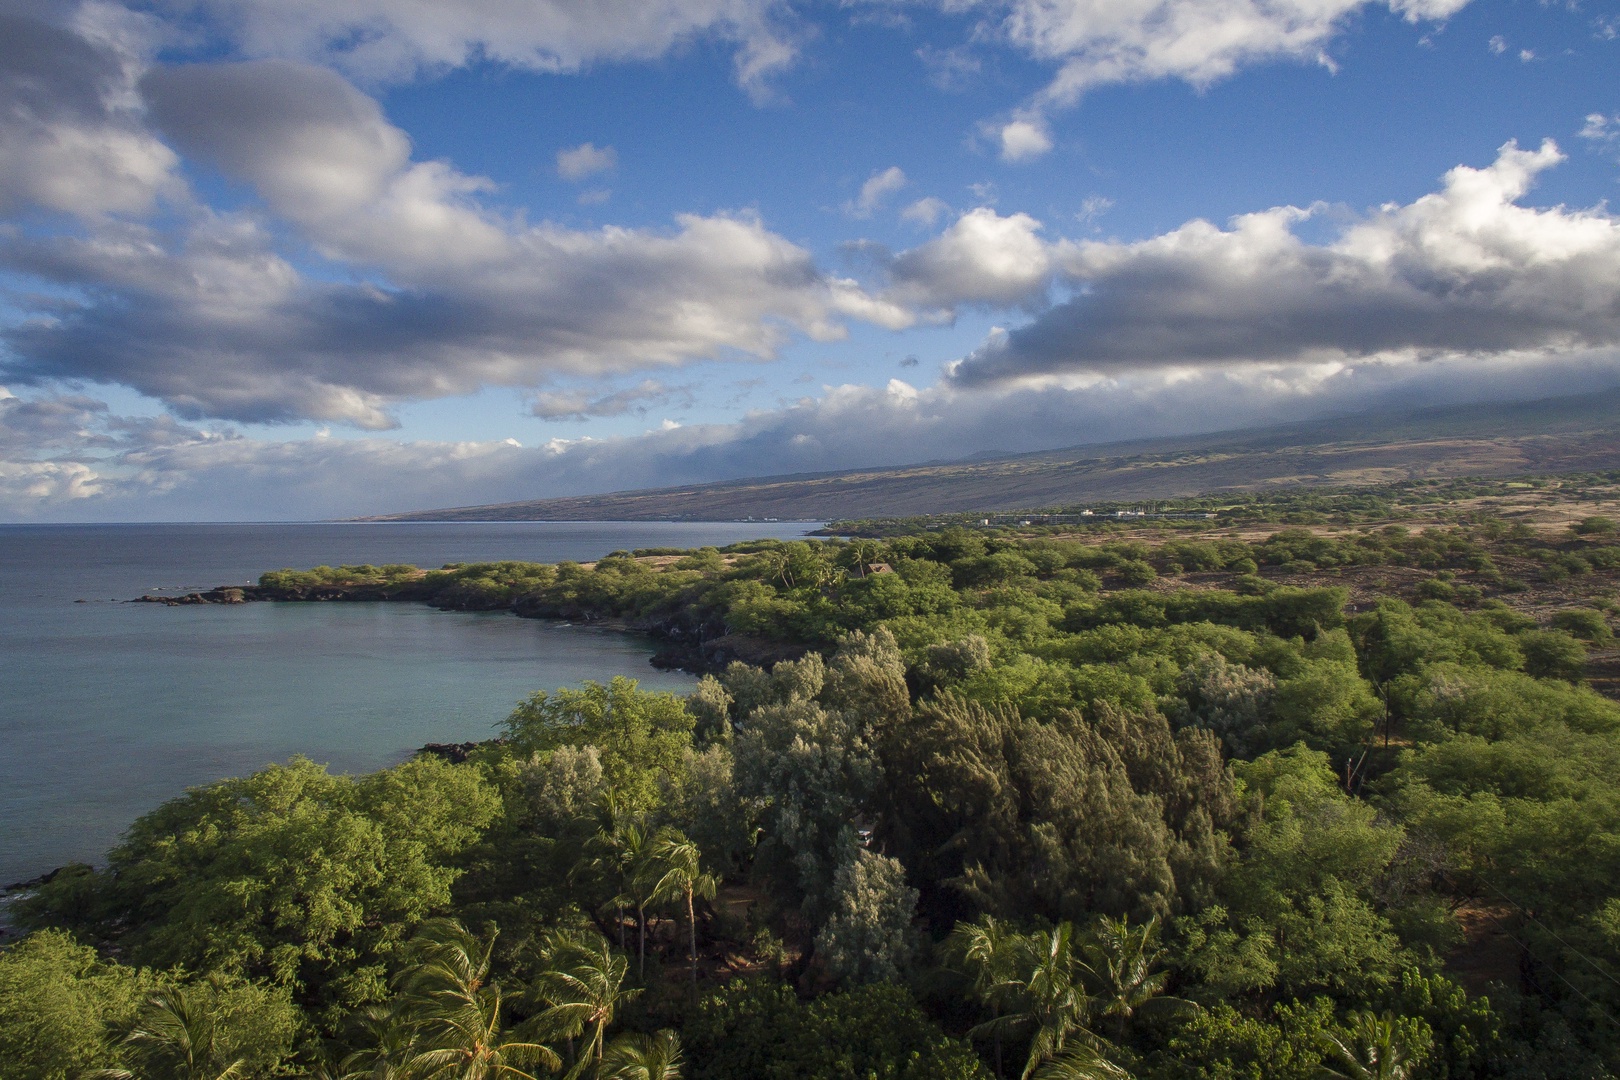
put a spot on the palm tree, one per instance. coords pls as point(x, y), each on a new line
point(1374, 1048)
point(629, 855)
point(643, 1057)
point(582, 989)
point(1042, 986)
point(982, 951)
point(1081, 1062)
point(177, 1036)
point(683, 877)
point(607, 858)
point(457, 1012)
point(1121, 962)
point(393, 1046)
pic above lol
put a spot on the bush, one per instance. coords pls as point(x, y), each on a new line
point(1434, 589)
point(1584, 623)
point(1553, 654)
point(1136, 572)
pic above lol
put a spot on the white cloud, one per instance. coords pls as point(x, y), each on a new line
point(1497, 45)
point(399, 39)
point(1093, 207)
point(1024, 140)
point(949, 69)
point(118, 467)
point(765, 51)
point(926, 211)
point(451, 296)
point(71, 138)
point(1098, 42)
point(581, 404)
point(877, 189)
point(215, 324)
point(1104, 42)
point(1465, 271)
point(585, 160)
point(983, 258)
point(1600, 129)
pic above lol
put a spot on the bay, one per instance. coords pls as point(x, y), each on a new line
point(108, 708)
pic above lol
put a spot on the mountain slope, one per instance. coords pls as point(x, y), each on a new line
point(1551, 435)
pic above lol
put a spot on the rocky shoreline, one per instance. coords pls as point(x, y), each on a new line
point(684, 643)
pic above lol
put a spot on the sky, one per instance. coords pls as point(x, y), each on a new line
point(304, 259)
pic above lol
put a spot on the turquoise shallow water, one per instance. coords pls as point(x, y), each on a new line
point(108, 708)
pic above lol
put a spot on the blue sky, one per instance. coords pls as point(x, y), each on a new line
point(286, 259)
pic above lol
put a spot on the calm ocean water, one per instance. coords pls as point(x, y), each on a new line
point(107, 709)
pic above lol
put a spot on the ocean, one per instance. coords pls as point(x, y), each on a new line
point(107, 708)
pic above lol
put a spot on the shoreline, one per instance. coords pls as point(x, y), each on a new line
point(682, 645)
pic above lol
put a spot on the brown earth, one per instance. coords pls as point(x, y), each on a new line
point(1544, 437)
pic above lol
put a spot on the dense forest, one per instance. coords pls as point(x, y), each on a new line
point(1332, 800)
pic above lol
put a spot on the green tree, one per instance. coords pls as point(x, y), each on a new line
point(810, 774)
point(1045, 997)
point(630, 857)
point(218, 1029)
point(1377, 1047)
point(683, 878)
point(58, 1003)
point(177, 1037)
point(1284, 1042)
point(1553, 654)
point(983, 952)
point(639, 735)
point(754, 1029)
point(457, 1011)
point(1123, 970)
point(643, 1057)
point(1296, 910)
point(638, 859)
point(582, 990)
point(308, 879)
point(868, 936)
point(388, 1045)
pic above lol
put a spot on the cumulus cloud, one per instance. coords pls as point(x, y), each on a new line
point(451, 296)
point(585, 160)
point(1024, 139)
point(877, 189)
point(1102, 42)
point(216, 324)
point(983, 258)
point(58, 450)
point(398, 39)
point(71, 138)
point(1463, 271)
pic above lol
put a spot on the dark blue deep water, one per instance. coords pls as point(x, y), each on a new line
point(107, 708)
